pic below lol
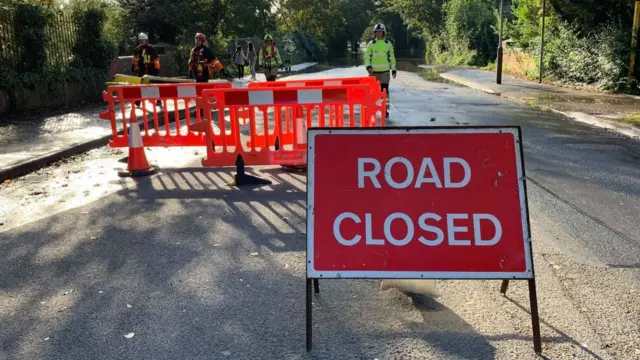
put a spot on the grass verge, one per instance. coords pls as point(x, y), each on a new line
point(633, 119)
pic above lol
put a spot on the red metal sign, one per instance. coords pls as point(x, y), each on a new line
point(417, 203)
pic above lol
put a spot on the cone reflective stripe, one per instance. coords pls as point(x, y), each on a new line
point(135, 138)
point(137, 164)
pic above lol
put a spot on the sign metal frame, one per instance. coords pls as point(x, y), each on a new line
point(312, 276)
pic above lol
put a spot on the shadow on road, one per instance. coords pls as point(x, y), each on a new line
point(564, 336)
point(199, 270)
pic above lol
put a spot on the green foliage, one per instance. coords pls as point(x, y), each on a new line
point(249, 18)
point(585, 15)
point(586, 41)
point(52, 83)
point(599, 59)
point(117, 31)
point(91, 49)
point(301, 46)
point(323, 20)
point(467, 37)
point(30, 23)
point(468, 23)
point(423, 16)
point(524, 28)
point(405, 42)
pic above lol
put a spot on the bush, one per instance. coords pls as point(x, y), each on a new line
point(599, 58)
point(30, 23)
point(91, 49)
point(117, 31)
point(301, 46)
point(33, 79)
point(468, 37)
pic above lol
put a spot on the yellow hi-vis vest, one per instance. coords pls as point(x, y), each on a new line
point(380, 56)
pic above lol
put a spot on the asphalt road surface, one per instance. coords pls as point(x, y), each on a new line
point(181, 266)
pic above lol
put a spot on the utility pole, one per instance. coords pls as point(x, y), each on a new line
point(500, 49)
point(634, 40)
point(544, 15)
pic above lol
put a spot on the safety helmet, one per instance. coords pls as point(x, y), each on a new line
point(268, 37)
point(143, 36)
point(201, 37)
point(379, 27)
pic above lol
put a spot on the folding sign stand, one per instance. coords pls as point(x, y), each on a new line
point(535, 318)
point(533, 300)
point(330, 255)
point(316, 289)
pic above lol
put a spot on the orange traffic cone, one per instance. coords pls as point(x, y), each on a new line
point(137, 164)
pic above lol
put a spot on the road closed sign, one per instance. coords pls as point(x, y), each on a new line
point(417, 203)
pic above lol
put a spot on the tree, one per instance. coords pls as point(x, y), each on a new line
point(358, 14)
point(249, 18)
point(423, 16)
point(405, 42)
point(589, 14)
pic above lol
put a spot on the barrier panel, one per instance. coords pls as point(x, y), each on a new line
point(278, 119)
point(166, 102)
point(371, 80)
point(364, 80)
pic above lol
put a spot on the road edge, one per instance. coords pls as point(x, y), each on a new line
point(462, 81)
point(34, 164)
point(621, 128)
point(39, 162)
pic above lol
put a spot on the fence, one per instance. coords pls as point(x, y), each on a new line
point(10, 53)
point(60, 32)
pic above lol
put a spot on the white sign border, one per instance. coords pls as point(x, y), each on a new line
point(359, 274)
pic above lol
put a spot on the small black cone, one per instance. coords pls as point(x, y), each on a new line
point(240, 178)
point(244, 179)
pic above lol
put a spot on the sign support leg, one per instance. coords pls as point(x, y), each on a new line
point(535, 318)
point(316, 286)
point(504, 287)
point(309, 317)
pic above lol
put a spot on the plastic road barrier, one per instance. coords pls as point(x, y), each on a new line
point(272, 138)
point(173, 98)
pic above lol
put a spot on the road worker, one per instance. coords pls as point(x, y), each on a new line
point(379, 59)
point(269, 58)
point(203, 61)
point(145, 58)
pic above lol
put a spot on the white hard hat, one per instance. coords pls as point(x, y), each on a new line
point(379, 27)
point(143, 36)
